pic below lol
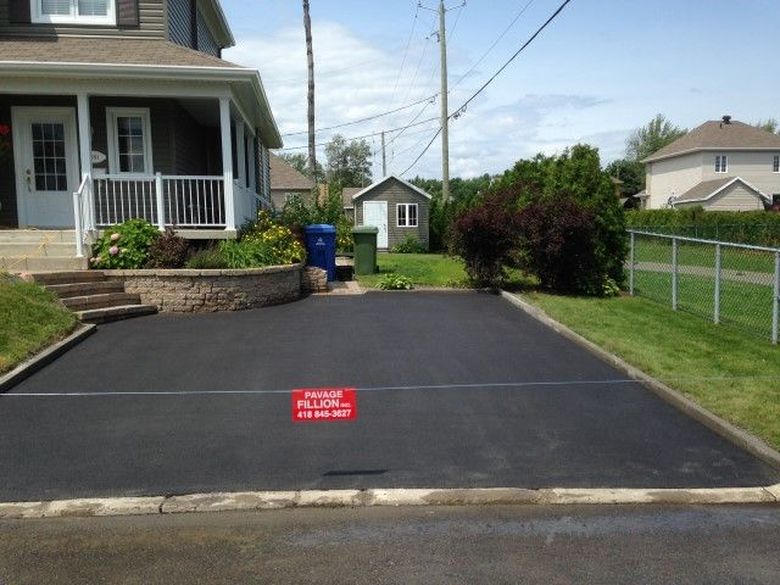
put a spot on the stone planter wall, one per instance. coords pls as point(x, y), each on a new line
point(209, 291)
point(314, 280)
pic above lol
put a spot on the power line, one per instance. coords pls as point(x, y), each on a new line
point(462, 108)
point(420, 123)
point(430, 98)
point(484, 86)
point(406, 52)
point(495, 43)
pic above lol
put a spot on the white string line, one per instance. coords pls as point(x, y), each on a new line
point(497, 385)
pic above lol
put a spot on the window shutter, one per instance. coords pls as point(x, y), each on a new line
point(19, 11)
point(127, 12)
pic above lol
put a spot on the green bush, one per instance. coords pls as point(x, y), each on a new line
point(168, 251)
point(246, 254)
point(759, 228)
point(395, 282)
point(296, 215)
point(279, 242)
point(208, 259)
point(125, 246)
point(410, 245)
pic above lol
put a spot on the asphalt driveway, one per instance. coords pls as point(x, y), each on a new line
point(455, 390)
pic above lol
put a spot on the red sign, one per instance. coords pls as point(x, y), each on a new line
point(324, 404)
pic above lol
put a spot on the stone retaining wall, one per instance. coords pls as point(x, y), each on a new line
point(314, 280)
point(209, 291)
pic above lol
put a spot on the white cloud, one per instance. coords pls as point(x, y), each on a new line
point(357, 79)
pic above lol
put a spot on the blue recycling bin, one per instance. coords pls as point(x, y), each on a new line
point(321, 247)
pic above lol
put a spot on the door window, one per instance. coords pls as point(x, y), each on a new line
point(49, 160)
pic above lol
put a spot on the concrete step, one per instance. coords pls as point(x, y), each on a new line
point(61, 236)
point(108, 314)
point(101, 301)
point(68, 277)
point(42, 263)
point(82, 289)
point(35, 249)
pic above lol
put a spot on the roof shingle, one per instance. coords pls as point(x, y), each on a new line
point(285, 176)
point(718, 135)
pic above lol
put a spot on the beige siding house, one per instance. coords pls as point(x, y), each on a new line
point(721, 165)
point(397, 208)
point(287, 181)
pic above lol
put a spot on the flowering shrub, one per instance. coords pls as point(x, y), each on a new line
point(5, 140)
point(125, 246)
point(279, 244)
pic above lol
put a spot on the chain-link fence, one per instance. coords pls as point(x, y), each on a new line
point(732, 284)
point(755, 234)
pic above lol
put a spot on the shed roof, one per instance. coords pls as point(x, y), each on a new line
point(718, 135)
point(382, 181)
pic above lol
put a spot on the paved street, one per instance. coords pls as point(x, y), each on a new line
point(455, 390)
point(552, 546)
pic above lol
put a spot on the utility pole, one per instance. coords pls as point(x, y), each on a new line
point(384, 156)
point(310, 63)
point(445, 121)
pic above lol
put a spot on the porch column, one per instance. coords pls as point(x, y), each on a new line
point(85, 150)
point(227, 163)
point(241, 151)
point(252, 170)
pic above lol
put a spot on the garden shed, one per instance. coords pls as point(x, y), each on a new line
point(397, 208)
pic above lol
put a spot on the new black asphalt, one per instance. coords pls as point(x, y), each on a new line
point(455, 390)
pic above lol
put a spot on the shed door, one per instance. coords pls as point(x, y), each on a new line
point(375, 214)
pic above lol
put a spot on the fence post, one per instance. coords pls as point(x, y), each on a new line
point(776, 303)
point(674, 274)
point(633, 261)
point(158, 188)
point(718, 267)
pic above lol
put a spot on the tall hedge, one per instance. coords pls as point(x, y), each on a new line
point(760, 228)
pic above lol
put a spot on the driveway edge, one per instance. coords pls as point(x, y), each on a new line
point(45, 357)
point(269, 500)
point(736, 435)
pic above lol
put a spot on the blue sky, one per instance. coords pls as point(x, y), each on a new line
point(601, 69)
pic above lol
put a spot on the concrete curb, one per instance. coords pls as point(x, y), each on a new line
point(736, 435)
point(44, 358)
point(268, 500)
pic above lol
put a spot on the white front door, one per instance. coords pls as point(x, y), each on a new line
point(47, 171)
point(375, 214)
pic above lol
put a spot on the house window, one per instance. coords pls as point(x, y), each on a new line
point(73, 11)
point(776, 164)
point(407, 214)
point(721, 163)
point(129, 141)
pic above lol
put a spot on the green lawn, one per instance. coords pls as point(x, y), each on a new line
point(691, 254)
point(731, 374)
point(30, 319)
point(423, 269)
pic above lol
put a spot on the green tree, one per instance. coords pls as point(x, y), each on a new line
point(770, 125)
point(631, 172)
point(301, 164)
point(652, 137)
point(349, 163)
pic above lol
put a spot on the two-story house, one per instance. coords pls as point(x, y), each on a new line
point(123, 109)
point(721, 165)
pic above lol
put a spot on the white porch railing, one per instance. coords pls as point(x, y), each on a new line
point(83, 213)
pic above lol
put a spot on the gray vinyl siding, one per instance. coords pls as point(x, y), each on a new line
point(206, 42)
point(180, 22)
point(151, 15)
point(737, 197)
point(395, 192)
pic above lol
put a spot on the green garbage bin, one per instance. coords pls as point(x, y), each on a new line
point(365, 249)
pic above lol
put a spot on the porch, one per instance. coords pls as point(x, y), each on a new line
point(87, 162)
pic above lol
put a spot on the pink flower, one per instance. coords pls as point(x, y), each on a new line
point(114, 237)
point(113, 250)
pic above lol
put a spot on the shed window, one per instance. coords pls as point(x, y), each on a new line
point(130, 141)
point(407, 214)
point(73, 11)
point(721, 163)
point(776, 164)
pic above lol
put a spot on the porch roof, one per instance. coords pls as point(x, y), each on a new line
point(105, 51)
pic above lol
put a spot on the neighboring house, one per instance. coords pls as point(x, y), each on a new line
point(349, 206)
point(721, 165)
point(124, 109)
point(287, 181)
point(397, 208)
